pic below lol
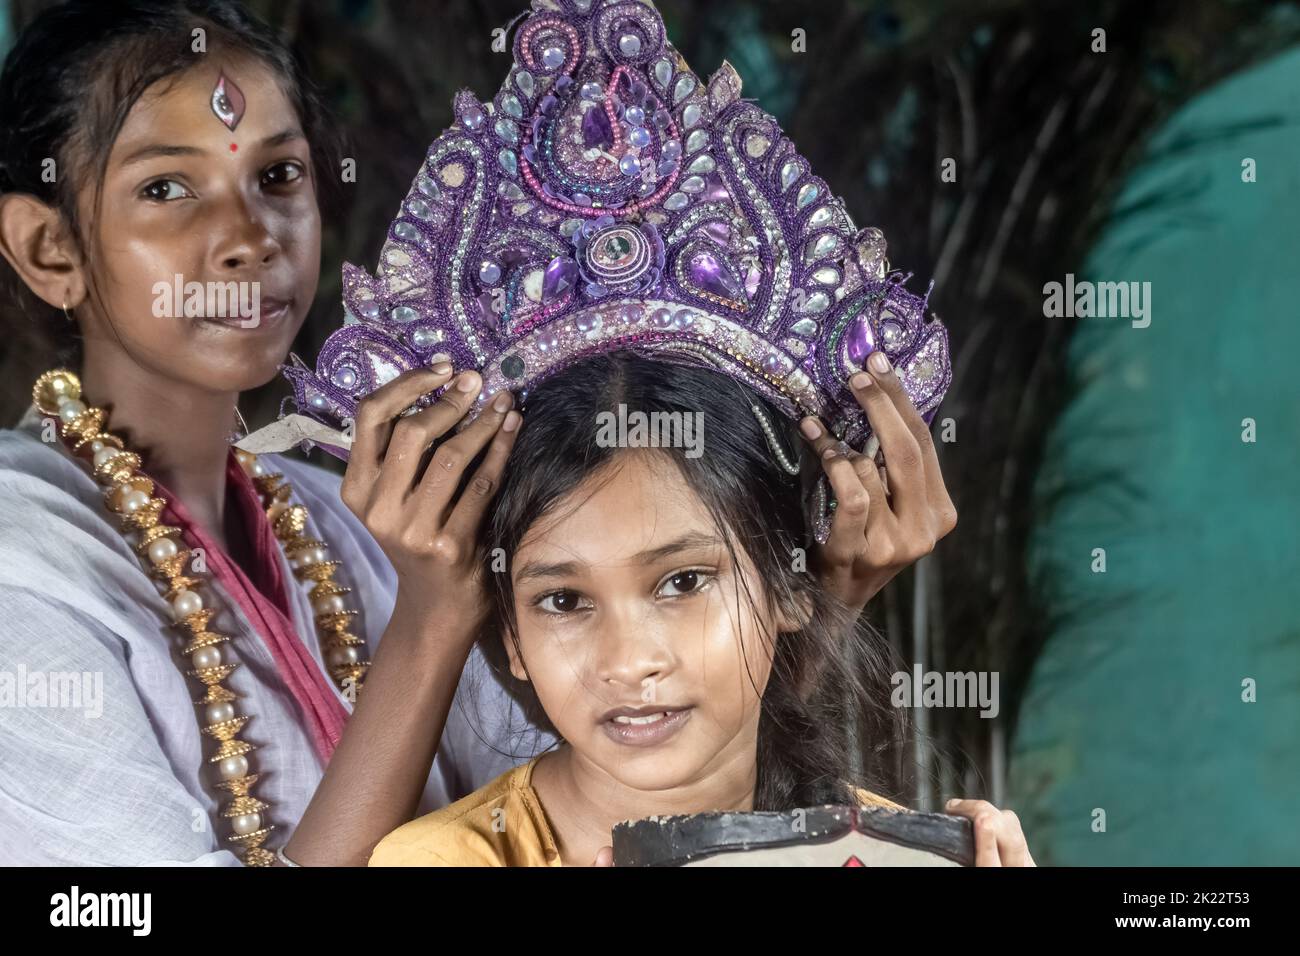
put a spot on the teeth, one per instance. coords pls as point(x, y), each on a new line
point(652, 718)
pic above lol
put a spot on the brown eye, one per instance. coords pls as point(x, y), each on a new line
point(164, 190)
point(684, 582)
point(282, 174)
point(560, 602)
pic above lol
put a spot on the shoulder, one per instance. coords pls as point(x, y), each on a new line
point(34, 471)
point(53, 523)
point(26, 457)
point(496, 825)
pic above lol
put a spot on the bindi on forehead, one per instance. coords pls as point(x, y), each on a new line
point(228, 103)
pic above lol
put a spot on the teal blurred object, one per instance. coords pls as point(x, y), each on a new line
point(1135, 706)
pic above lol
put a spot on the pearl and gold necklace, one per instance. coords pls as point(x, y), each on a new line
point(129, 494)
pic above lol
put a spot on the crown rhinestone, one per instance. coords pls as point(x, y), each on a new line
point(663, 72)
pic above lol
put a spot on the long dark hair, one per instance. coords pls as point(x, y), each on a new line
point(826, 722)
point(66, 89)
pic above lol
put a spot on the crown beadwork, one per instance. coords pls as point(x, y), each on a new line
point(607, 199)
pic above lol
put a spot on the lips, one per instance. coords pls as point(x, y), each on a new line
point(271, 310)
point(645, 726)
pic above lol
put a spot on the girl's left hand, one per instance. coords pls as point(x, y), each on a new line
point(999, 841)
point(885, 518)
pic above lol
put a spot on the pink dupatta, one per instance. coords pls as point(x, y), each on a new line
point(265, 602)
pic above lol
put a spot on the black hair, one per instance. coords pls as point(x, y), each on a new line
point(826, 722)
point(66, 89)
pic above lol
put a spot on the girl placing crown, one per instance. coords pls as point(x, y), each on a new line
point(263, 675)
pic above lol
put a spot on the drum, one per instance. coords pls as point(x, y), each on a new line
point(816, 836)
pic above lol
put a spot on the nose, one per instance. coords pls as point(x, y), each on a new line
point(632, 653)
point(243, 240)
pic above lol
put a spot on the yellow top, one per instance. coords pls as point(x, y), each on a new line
point(501, 824)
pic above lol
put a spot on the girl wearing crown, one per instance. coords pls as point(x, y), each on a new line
point(319, 650)
point(653, 618)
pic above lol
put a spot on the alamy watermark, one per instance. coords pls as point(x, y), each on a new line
point(1100, 300)
point(208, 300)
point(946, 689)
point(61, 690)
point(75, 908)
point(637, 429)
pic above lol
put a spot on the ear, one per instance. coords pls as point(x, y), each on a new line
point(517, 668)
point(38, 244)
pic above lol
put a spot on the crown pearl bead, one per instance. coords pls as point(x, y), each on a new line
point(661, 318)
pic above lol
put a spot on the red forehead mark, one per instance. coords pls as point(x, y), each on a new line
point(233, 147)
point(228, 101)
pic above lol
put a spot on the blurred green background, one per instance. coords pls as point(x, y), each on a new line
point(1122, 737)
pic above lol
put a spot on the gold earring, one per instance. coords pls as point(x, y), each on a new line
point(242, 424)
point(67, 313)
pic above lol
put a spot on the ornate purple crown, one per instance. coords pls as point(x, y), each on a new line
point(606, 199)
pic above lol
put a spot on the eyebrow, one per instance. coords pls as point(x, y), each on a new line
point(156, 150)
point(687, 542)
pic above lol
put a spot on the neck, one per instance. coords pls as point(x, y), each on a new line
point(179, 430)
point(583, 802)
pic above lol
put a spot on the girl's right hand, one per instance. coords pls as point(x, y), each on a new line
point(426, 529)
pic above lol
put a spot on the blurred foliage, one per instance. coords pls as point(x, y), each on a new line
point(1042, 129)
